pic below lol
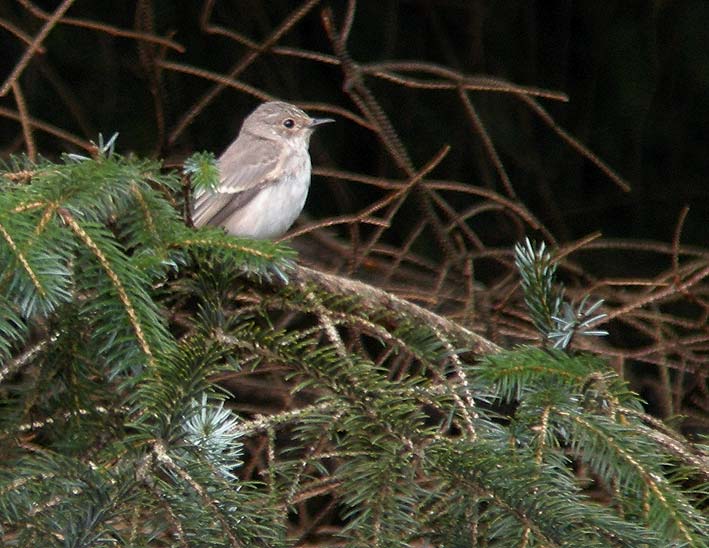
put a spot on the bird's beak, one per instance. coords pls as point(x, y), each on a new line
point(314, 122)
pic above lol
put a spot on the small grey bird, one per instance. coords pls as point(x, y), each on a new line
point(265, 174)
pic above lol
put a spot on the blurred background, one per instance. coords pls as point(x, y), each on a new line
point(462, 127)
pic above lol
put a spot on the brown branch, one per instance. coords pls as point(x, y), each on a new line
point(221, 80)
point(22, 35)
point(489, 146)
point(575, 143)
point(673, 442)
point(48, 128)
point(108, 29)
point(24, 121)
point(359, 218)
point(452, 80)
point(377, 299)
point(34, 46)
point(660, 295)
point(20, 360)
point(210, 28)
point(518, 208)
point(676, 242)
point(22, 259)
point(295, 16)
point(370, 107)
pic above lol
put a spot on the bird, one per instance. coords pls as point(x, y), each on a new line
point(264, 174)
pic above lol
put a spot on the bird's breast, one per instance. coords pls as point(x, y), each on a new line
point(274, 209)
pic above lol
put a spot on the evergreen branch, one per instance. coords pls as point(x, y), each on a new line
point(262, 258)
point(374, 299)
point(283, 348)
point(166, 406)
point(680, 513)
point(600, 442)
point(263, 344)
point(672, 442)
point(145, 210)
point(543, 433)
point(216, 432)
point(202, 170)
point(36, 278)
point(537, 269)
point(543, 500)
point(551, 314)
point(101, 189)
point(171, 515)
point(163, 459)
point(65, 500)
point(49, 210)
point(113, 276)
point(23, 261)
point(352, 380)
point(37, 425)
point(28, 207)
point(12, 331)
point(262, 424)
point(18, 175)
point(387, 420)
point(433, 351)
point(245, 245)
point(397, 339)
point(466, 403)
point(517, 372)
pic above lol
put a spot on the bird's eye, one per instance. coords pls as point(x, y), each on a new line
point(289, 123)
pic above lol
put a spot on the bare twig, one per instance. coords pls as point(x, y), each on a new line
point(24, 120)
point(103, 27)
point(52, 130)
point(34, 46)
point(295, 16)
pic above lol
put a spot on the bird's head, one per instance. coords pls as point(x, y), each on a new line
point(279, 120)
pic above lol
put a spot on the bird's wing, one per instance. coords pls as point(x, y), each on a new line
point(247, 163)
point(245, 171)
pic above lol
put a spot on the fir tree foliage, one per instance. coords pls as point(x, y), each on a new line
point(118, 320)
point(202, 170)
point(88, 248)
point(554, 317)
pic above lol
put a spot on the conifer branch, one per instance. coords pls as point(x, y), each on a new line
point(145, 209)
point(373, 298)
point(387, 413)
point(18, 361)
point(47, 215)
point(233, 244)
point(23, 261)
point(162, 458)
point(655, 483)
point(115, 279)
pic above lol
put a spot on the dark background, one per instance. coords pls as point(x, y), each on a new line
point(636, 72)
